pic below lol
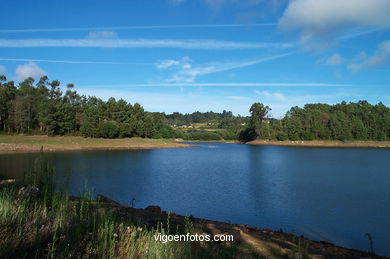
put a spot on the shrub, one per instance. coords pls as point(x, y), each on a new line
point(281, 136)
point(306, 135)
point(247, 134)
point(108, 130)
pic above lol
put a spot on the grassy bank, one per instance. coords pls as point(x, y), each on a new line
point(323, 143)
point(34, 143)
point(38, 221)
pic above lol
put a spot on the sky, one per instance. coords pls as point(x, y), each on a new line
point(203, 55)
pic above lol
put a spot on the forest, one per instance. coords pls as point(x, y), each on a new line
point(43, 108)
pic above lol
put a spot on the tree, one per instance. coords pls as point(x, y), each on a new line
point(258, 113)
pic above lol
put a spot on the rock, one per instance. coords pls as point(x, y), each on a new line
point(101, 198)
point(7, 182)
point(326, 243)
point(28, 191)
point(153, 208)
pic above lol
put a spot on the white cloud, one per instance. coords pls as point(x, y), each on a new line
point(381, 56)
point(2, 70)
point(258, 84)
point(73, 61)
point(317, 17)
point(277, 96)
point(189, 73)
point(102, 35)
point(183, 63)
point(29, 69)
point(334, 60)
point(202, 44)
point(140, 27)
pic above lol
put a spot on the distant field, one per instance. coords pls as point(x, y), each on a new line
point(34, 143)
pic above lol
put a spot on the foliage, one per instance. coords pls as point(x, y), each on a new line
point(108, 129)
point(352, 121)
point(256, 128)
point(44, 109)
point(281, 136)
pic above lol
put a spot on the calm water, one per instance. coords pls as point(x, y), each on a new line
point(330, 194)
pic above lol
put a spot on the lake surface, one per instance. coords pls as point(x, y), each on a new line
point(332, 194)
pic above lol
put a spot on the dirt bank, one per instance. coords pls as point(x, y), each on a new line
point(324, 143)
point(251, 241)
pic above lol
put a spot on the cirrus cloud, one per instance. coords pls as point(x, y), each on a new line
point(102, 35)
point(188, 73)
point(380, 57)
point(201, 44)
point(184, 63)
point(333, 60)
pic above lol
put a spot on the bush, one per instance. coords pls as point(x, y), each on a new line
point(247, 134)
point(88, 130)
point(281, 136)
point(229, 135)
point(306, 135)
point(108, 130)
point(202, 135)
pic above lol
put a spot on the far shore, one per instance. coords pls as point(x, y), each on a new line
point(209, 141)
point(322, 143)
point(26, 144)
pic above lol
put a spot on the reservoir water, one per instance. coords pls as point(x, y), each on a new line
point(331, 194)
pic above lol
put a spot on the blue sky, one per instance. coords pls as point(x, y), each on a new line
point(189, 55)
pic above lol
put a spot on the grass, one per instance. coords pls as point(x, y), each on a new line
point(19, 143)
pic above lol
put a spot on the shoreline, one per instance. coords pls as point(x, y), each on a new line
point(257, 238)
point(32, 144)
point(210, 141)
point(322, 143)
point(253, 242)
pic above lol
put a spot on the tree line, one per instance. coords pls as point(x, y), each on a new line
point(43, 108)
point(343, 121)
